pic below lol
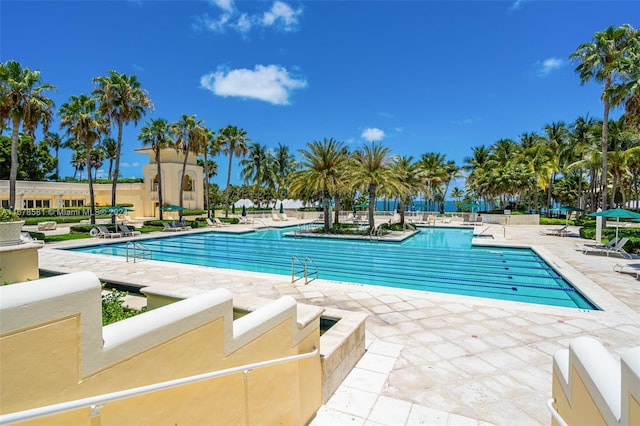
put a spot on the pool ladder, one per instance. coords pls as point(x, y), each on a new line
point(138, 251)
point(304, 269)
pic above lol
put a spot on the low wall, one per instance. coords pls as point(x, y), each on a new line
point(341, 347)
point(53, 349)
point(511, 219)
point(591, 387)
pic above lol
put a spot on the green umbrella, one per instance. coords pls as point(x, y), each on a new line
point(281, 208)
point(233, 209)
point(172, 208)
point(244, 210)
point(618, 214)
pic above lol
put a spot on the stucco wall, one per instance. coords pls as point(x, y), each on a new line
point(54, 349)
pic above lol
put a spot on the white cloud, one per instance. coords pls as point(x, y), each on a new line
point(226, 5)
point(126, 165)
point(516, 4)
point(372, 134)
point(281, 14)
point(548, 65)
point(269, 83)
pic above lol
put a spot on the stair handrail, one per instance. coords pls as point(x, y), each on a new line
point(97, 402)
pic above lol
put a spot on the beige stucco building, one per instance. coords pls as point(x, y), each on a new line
point(143, 196)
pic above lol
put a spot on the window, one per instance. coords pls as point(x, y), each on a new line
point(187, 184)
point(37, 204)
point(154, 184)
point(73, 203)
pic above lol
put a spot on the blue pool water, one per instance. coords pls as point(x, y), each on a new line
point(436, 259)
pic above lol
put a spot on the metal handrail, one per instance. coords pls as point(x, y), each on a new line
point(554, 412)
point(504, 230)
point(308, 260)
point(96, 402)
point(137, 246)
point(304, 270)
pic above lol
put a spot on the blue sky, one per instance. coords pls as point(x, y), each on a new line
point(416, 76)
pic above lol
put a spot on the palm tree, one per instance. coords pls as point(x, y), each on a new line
point(210, 168)
point(410, 181)
point(122, 101)
point(109, 147)
point(371, 168)
point(234, 143)
point(156, 133)
point(284, 163)
point(604, 60)
point(258, 168)
point(190, 136)
point(321, 172)
point(54, 141)
point(84, 123)
point(22, 100)
point(556, 139)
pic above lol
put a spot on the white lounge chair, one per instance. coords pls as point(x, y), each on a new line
point(215, 225)
point(103, 232)
point(283, 217)
point(26, 237)
point(617, 249)
point(126, 232)
point(171, 227)
point(219, 222)
point(629, 268)
point(275, 217)
point(582, 247)
point(558, 232)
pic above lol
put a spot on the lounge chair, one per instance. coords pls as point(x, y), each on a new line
point(243, 220)
point(629, 268)
point(275, 217)
point(47, 226)
point(582, 247)
point(103, 232)
point(283, 217)
point(126, 232)
point(617, 249)
point(171, 227)
point(558, 232)
point(219, 222)
point(215, 225)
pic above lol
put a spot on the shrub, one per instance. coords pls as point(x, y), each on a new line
point(113, 309)
point(7, 215)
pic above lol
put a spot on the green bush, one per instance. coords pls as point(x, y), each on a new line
point(112, 307)
point(633, 246)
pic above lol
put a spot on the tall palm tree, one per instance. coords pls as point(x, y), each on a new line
point(212, 147)
point(233, 141)
point(122, 101)
point(284, 163)
point(190, 136)
point(371, 168)
point(603, 60)
point(109, 147)
point(156, 133)
point(53, 140)
point(84, 123)
point(321, 173)
point(258, 168)
point(556, 137)
point(409, 179)
point(22, 100)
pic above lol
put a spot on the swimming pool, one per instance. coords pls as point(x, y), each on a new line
point(435, 259)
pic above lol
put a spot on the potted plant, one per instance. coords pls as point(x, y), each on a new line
point(10, 227)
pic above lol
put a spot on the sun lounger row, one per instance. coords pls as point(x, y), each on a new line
point(279, 217)
point(216, 222)
point(174, 226)
point(103, 232)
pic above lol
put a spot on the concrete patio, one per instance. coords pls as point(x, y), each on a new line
point(431, 358)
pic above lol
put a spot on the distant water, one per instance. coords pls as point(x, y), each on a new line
point(449, 206)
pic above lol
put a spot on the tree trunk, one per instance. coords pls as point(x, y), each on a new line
point(372, 201)
point(184, 169)
point(325, 210)
point(336, 213)
point(92, 202)
point(206, 183)
point(605, 142)
point(116, 170)
point(159, 171)
point(226, 191)
point(13, 174)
